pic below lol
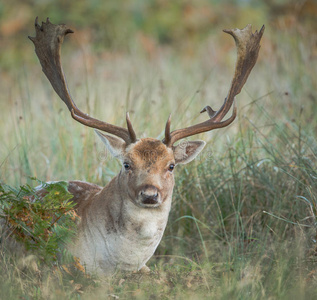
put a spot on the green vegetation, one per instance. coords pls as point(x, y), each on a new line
point(243, 220)
point(44, 223)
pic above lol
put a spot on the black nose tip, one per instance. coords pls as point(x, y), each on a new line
point(149, 195)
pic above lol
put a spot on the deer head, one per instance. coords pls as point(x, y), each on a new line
point(147, 166)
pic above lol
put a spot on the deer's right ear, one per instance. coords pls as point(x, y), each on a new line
point(116, 146)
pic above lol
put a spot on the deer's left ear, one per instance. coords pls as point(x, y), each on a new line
point(185, 152)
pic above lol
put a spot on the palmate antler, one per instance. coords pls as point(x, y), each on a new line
point(48, 42)
point(248, 46)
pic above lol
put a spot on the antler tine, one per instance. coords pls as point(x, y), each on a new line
point(248, 46)
point(167, 138)
point(132, 134)
point(48, 41)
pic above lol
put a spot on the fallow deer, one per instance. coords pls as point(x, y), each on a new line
point(123, 223)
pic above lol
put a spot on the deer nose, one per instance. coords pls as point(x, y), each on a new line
point(149, 194)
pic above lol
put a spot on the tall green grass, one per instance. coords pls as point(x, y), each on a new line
point(243, 220)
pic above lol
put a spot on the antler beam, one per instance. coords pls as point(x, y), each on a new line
point(48, 41)
point(248, 46)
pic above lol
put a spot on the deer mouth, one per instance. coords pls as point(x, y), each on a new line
point(150, 201)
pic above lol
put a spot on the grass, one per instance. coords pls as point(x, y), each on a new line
point(242, 224)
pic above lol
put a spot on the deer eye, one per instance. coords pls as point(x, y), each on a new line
point(127, 166)
point(171, 167)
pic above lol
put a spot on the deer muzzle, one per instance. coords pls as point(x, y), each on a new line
point(149, 196)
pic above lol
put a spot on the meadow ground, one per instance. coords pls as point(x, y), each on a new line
point(243, 219)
